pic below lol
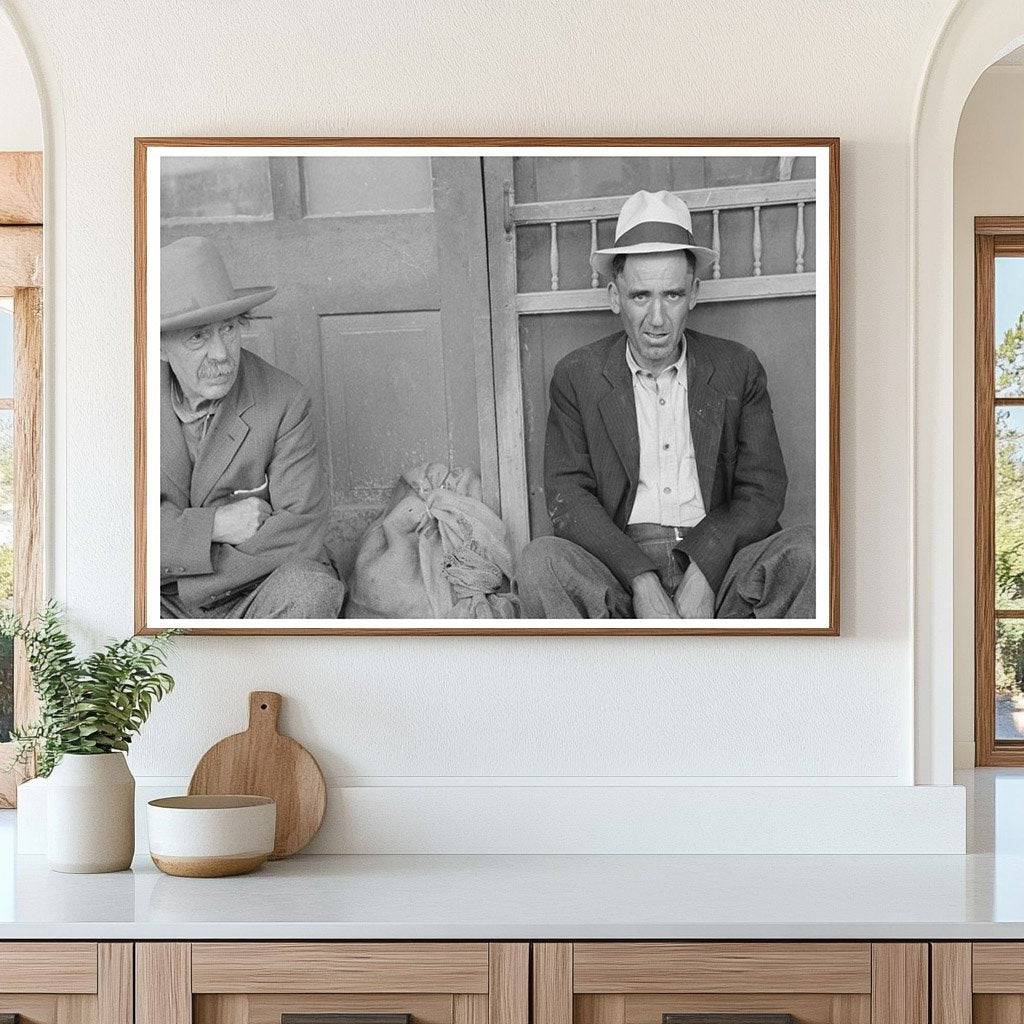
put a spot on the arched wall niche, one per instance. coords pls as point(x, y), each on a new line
point(975, 35)
point(21, 125)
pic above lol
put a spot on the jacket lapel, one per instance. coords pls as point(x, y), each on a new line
point(175, 464)
point(707, 412)
point(227, 432)
point(618, 410)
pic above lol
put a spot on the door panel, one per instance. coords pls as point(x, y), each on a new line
point(389, 360)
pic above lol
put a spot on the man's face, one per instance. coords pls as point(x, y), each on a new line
point(653, 294)
point(204, 360)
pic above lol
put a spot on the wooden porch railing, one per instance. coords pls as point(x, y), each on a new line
point(755, 197)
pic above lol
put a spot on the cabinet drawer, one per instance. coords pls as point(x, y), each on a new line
point(749, 982)
point(48, 967)
point(261, 982)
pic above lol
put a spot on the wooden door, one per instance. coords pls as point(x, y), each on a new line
point(382, 307)
point(747, 982)
point(267, 982)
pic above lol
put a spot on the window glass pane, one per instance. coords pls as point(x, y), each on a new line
point(6, 567)
point(6, 348)
point(1009, 679)
point(1009, 486)
point(1009, 323)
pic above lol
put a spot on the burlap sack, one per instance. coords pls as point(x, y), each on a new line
point(437, 552)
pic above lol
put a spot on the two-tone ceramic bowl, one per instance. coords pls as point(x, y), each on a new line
point(211, 836)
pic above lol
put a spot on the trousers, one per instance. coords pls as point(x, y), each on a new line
point(300, 589)
point(773, 578)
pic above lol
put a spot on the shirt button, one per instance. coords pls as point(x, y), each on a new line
point(668, 490)
point(661, 401)
point(667, 446)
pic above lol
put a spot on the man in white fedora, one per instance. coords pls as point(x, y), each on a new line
point(243, 504)
point(662, 467)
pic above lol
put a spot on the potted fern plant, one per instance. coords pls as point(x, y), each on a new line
point(89, 709)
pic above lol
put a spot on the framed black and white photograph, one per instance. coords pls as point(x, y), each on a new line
point(487, 386)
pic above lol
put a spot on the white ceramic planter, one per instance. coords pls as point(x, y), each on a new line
point(90, 814)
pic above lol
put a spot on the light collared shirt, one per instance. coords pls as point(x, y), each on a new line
point(669, 489)
point(194, 422)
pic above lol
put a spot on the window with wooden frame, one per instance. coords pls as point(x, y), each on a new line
point(21, 364)
point(999, 490)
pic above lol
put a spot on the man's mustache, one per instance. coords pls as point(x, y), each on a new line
point(216, 372)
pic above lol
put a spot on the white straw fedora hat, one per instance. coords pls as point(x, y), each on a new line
point(653, 222)
point(195, 288)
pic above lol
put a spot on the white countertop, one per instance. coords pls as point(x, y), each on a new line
point(532, 897)
point(979, 896)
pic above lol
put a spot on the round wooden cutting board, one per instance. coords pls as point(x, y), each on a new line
point(262, 762)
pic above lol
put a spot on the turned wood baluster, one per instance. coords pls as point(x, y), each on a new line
point(716, 244)
point(554, 256)
point(799, 238)
point(594, 280)
point(757, 241)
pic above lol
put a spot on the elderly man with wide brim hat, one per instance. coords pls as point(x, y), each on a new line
point(243, 501)
point(663, 473)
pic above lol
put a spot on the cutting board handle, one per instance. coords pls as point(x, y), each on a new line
point(264, 709)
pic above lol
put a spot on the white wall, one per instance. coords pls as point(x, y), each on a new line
point(444, 713)
point(988, 181)
point(21, 125)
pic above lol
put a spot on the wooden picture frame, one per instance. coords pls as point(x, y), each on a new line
point(480, 246)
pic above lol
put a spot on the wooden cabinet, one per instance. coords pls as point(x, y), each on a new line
point(815, 982)
point(494, 983)
point(259, 982)
point(979, 982)
point(66, 982)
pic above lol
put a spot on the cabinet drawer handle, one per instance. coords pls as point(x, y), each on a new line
point(728, 1018)
point(340, 1018)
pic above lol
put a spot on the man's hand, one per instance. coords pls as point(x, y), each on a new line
point(694, 598)
point(237, 522)
point(649, 598)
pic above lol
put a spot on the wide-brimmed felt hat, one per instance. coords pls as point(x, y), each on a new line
point(195, 288)
point(653, 222)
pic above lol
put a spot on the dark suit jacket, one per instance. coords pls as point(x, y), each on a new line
point(592, 453)
point(262, 432)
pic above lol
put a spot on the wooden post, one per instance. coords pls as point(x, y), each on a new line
point(554, 256)
point(21, 273)
point(163, 983)
point(552, 983)
point(757, 241)
point(899, 983)
point(951, 988)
